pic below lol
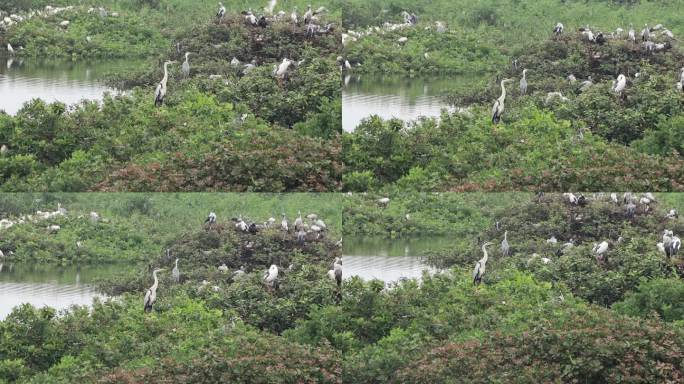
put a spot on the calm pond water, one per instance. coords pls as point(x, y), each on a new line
point(22, 80)
point(388, 259)
point(57, 287)
point(389, 97)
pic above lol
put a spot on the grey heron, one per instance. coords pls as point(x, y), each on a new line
point(308, 15)
point(186, 65)
point(223, 268)
point(631, 35)
point(523, 83)
point(10, 50)
point(384, 201)
point(160, 93)
point(613, 197)
point(336, 273)
point(645, 33)
point(298, 221)
point(481, 265)
point(293, 16)
point(301, 237)
point(211, 218)
point(175, 273)
point(505, 248)
point(586, 84)
point(630, 210)
point(498, 108)
point(151, 294)
point(238, 274)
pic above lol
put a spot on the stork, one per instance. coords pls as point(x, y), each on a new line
point(558, 29)
point(221, 11)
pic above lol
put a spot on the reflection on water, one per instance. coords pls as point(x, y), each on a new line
point(57, 287)
point(388, 97)
point(388, 259)
point(69, 82)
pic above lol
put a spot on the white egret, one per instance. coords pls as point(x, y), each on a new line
point(211, 218)
point(282, 69)
point(10, 50)
point(600, 250)
point(271, 277)
point(620, 84)
point(523, 83)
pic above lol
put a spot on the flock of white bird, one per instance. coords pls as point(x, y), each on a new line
point(280, 71)
point(11, 20)
point(618, 86)
point(633, 203)
point(304, 231)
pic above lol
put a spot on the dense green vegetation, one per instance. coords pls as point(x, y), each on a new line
point(588, 138)
point(223, 128)
point(134, 228)
point(569, 320)
point(482, 35)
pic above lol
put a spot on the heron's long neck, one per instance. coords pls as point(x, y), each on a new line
point(484, 250)
point(176, 263)
point(524, 75)
point(166, 73)
point(503, 91)
point(506, 235)
point(156, 282)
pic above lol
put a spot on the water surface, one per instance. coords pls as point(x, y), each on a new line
point(57, 287)
point(391, 97)
point(22, 80)
point(389, 260)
